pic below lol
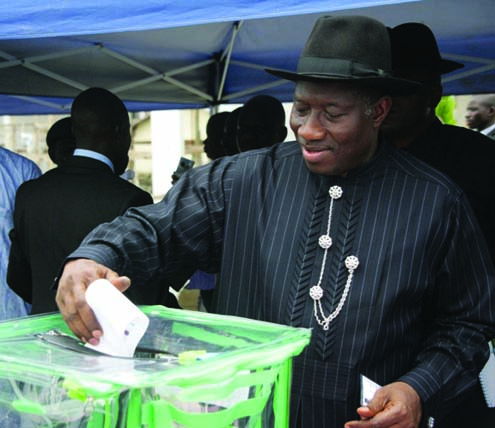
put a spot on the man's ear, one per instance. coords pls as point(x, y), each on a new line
point(380, 110)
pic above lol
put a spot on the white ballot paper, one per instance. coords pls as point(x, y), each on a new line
point(487, 379)
point(368, 389)
point(123, 323)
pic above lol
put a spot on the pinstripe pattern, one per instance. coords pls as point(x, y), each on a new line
point(421, 305)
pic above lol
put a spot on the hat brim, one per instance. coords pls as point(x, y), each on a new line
point(446, 66)
point(386, 83)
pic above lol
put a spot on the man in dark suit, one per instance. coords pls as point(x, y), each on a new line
point(54, 213)
point(480, 114)
point(374, 250)
point(466, 156)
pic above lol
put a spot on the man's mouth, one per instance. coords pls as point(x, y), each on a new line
point(315, 154)
point(315, 149)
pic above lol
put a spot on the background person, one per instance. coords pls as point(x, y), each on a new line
point(212, 145)
point(467, 157)
point(261, 123)
point(229, 140)
point(411, 125)
point(480, 114)
point(55, 212)
point(14, 170)
point(60, 141)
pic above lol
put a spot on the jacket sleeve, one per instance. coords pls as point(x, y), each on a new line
point(19, 277)
point(172, 238)
point(459, 317)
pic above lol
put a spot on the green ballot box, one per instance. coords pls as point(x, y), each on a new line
point(191, 369)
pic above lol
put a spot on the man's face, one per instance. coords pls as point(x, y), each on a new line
point(477, 115)
point(408, 114)
point(213, 148)
point(332, 126)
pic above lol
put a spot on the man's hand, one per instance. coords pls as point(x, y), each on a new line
point(71, 296)
point(395, 405)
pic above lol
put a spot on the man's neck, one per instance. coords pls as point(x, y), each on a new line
point(94, 155)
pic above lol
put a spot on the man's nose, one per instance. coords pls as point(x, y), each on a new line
point(312, 128)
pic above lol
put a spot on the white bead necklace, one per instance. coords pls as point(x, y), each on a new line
point(351, 263)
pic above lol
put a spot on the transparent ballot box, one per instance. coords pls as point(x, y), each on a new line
point(191, 369)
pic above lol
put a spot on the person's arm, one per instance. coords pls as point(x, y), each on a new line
point(181, 233)
point(458, 321)
point(19, 274)
point(30, 170)
point(458, 317)
point(19, 277)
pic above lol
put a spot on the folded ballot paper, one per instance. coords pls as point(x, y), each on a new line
point(122, 322)
point(487, 379)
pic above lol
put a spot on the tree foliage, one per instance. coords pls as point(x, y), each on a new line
point(445, 110)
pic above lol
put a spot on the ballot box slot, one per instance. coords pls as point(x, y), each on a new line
point(65, 341)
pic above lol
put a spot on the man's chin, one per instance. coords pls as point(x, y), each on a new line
point(319, 168)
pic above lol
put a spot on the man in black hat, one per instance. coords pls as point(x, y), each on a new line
point(374, 250)
point(411, 125)
point(466, 156)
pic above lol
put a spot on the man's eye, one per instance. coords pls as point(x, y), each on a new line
point(301, 110)
point(333, 116)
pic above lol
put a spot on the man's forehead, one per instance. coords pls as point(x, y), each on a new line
point(328, 92)
point(474, 104)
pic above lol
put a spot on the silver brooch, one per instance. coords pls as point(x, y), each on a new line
point(335, 192)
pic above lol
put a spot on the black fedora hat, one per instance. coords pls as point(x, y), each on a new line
point(414, 47)
point(347, 48)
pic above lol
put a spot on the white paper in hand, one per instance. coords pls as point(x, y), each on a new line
point(123, 323)
point(487, 379)
point(368, 389)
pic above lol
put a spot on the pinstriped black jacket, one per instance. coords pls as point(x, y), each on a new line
point(420, 306)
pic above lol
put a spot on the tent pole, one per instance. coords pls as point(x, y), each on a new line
point(227, 54)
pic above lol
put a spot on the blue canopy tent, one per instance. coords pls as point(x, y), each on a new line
point(162, 54)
